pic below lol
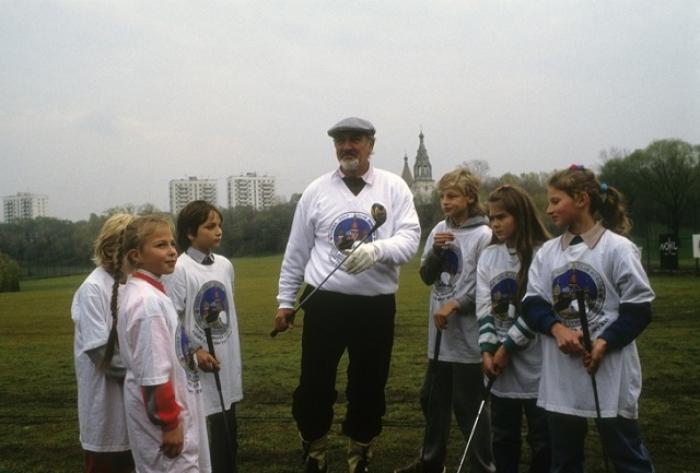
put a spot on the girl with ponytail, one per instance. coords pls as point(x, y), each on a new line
point(103, 433)
point(591, 276)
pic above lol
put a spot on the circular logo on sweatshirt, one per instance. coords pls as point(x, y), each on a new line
point(346, 230)
point(578, 287)
point(183, 350)
point(450, 270)
point(504, 289)
point(211, 309)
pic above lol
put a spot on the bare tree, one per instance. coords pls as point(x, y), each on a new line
point(478, 167)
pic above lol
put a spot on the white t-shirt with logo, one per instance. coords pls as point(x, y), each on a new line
point(202, 292)
point(100, 400)
point(609, 274)
point(148, 333)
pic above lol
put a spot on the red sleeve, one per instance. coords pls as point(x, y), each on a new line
point(161, 406)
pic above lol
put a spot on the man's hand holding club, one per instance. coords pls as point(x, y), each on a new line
point(362, 257)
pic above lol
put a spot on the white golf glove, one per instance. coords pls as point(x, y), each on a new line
point(363, 258)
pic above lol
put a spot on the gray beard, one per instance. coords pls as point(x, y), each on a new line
point(350, 165)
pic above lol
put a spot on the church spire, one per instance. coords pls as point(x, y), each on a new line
point(406, 173)
point(422, 170)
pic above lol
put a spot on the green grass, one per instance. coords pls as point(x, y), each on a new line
point(38, 418)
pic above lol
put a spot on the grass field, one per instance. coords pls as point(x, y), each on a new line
point(38, 418)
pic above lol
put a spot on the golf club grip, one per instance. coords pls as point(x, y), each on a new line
point(436, 349)
point(489, 385)
point(210, 346)
point(274, 331)
point(584, 320)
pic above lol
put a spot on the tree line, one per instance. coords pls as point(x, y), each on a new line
point(661, 183)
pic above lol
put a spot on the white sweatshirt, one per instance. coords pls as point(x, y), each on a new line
point(329, 217)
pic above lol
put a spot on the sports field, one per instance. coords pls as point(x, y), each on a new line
point(38, 417)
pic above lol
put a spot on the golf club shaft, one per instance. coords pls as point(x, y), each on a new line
point(588, 345)
point(274, 332)
point(476, 422)
point(217, 379)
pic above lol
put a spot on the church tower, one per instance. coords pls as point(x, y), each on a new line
point(423, 184)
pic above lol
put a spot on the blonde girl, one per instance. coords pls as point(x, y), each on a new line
point(162, 404)
point(593, 261)
point(511, 352)
point(103, 435)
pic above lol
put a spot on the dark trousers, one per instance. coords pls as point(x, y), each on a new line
point(109, 462)
point(333, 323)
point(459, 387)
point(620, 437)
point(506, 425)
point(223, 450)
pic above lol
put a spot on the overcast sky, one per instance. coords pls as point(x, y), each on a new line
point(102, 103)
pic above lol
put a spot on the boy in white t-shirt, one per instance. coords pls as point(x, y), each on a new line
point(103, 433)
point(202, 291)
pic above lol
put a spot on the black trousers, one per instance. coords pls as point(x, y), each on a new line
point(223, 450)
point(457, 387)
point(333, 323)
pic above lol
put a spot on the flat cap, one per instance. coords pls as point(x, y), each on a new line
point(352, 124)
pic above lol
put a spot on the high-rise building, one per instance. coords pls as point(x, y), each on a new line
point(24, 206)
point(251, 190)
point(421, 182)
point(184, 191)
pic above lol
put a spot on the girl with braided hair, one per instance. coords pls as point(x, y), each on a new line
point(163, 406)
point(101, 416)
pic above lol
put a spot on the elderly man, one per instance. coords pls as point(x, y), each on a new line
point(354, 309)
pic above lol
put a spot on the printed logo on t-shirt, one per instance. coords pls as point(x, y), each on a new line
point(450, 270)
point(504, 289)
point(569, 282)
point(183, 348)
point(211, 309)
point(346, 230)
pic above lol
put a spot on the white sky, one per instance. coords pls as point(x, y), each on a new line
point(102, 103)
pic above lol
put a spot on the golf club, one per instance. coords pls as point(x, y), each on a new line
point(433, 375)
point(588, 345)
point(378, 212)
point(212, 317)
point(476, 421)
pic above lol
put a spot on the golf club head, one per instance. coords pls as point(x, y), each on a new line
point(378, 214)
